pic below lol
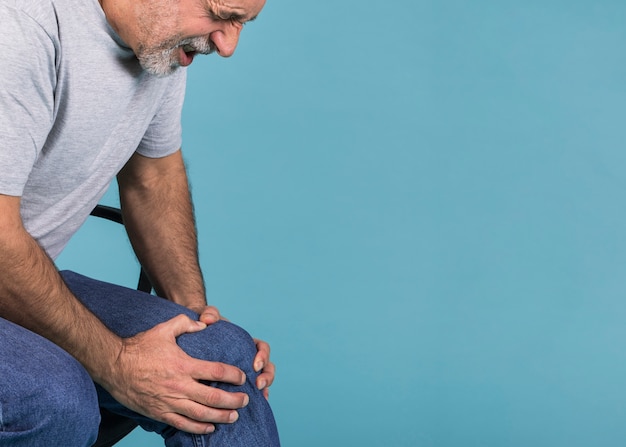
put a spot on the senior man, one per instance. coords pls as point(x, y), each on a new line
point(91, 90)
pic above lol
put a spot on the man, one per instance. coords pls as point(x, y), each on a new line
point(90, 90)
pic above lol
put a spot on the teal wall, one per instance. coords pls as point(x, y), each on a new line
point(421, 205)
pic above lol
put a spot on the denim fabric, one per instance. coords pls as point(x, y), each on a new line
point(46, 397)
point(127, 312)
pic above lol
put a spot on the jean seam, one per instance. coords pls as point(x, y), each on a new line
point(198, 441)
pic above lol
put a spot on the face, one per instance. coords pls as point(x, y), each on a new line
point(168, 34)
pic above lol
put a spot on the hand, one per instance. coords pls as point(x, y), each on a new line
point(262, 363)
point(156, 378)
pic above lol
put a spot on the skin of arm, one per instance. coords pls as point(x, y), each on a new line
point(33, 295)
point(158, 216)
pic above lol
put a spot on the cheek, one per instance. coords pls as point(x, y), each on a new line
point(153, 34)
point(199, 27)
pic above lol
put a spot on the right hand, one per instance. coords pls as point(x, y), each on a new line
point(155, 377)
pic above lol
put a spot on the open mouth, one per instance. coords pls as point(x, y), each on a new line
point(188, 53)
point(189, 49)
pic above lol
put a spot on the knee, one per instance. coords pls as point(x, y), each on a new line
point(221, 342)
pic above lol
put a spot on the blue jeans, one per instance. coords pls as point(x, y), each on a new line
point(47, 397)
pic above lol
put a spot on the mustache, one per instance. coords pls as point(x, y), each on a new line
point(200, 45)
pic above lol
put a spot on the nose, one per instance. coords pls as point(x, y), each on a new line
point(226, 39)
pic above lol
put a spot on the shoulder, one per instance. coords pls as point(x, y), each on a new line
point(27, 15)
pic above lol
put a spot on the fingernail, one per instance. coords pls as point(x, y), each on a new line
point(246, 401)
point(233, 416)
point(210, 429)
point(201, 324)
point(258, 366)
point(262, 384)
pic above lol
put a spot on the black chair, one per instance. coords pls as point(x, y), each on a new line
point(114, 427)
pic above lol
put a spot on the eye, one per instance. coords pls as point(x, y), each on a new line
point(236, 19)
point(224, 16)
point(231, 17)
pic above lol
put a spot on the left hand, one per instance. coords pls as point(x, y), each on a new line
point(262, 363)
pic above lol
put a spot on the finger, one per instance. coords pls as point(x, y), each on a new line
point(188, 425)
point(201, 413)
point(210, 315)
point(216, 372)
point(180, 324)
point(262, 356)
point(266, 378)
point(216, 399)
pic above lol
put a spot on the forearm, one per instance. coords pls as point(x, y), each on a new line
point(33, 295)
point(158, 216)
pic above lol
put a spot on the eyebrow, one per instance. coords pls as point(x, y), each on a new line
point(229, 15)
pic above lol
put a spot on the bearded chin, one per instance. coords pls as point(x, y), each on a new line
point(159, 63)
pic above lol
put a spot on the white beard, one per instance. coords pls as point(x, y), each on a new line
point(163, 60)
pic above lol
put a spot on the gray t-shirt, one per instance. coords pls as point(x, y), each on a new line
point(74, 106)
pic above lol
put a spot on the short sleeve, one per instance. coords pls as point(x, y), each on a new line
point(164, 134)
point(27, 83)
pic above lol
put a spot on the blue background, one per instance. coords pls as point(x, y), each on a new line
point(421, 205)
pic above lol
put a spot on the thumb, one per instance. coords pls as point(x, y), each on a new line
point(182, 324)
point(210, 315)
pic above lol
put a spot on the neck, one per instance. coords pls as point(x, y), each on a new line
point(117, 13)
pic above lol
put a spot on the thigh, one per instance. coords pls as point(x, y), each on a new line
point(45, 394)
point(128, 311)
point(123, 310)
